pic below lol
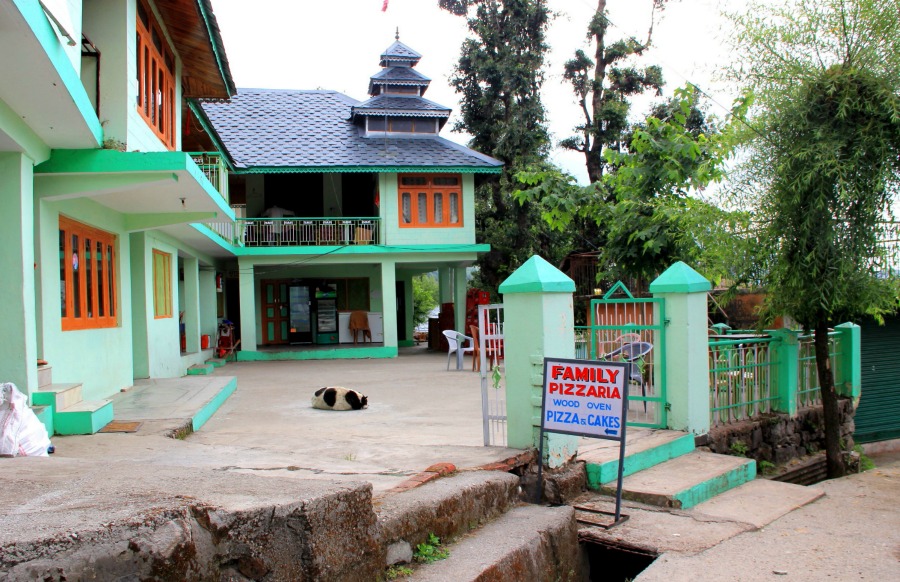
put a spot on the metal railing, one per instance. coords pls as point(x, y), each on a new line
point(808, 393)
point(213, 167)
point(493, 377)
point(283, 232)
point(741, 374)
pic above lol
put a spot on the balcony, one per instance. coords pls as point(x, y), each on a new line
point(213, 167)
point(288, 232)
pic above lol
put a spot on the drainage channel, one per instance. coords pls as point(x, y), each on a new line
point(614, 562)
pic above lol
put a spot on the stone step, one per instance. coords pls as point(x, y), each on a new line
point(530, 542)
point(85, 417)
point(758, 502)
point(446, 507)
point(685, 481)
point(644, 448)
point(216, 362)
point(200, 370)
point(59, 396)
point(45, 415)
point(45, 376)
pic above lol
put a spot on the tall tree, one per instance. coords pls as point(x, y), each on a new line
point(826, 159)
point(499, 76)
point(603, 84)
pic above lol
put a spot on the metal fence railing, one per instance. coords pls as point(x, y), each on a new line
point(213, 167)
point(493, 377)
point(808, 393)
point(274, 232)
point(741, 373)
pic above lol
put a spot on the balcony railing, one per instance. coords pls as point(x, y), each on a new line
point(213, 167)
point(285, 232)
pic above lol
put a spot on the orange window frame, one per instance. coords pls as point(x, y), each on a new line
point(87, 267)
point(155, 77)
point(162, 285)
point(425, 203)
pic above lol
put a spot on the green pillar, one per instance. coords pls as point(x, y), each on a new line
point(249, 311)
point(786, 344)
point(18, 342)
point(208, 305)
point(191, 305)
point(445, 285)
point(459, 299)
point(687, 346)
point(849, 366)
point(389, 302)
point(537, 322)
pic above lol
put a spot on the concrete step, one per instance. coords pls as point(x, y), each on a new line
point(200, 370)
point(216, 362)
point(447, 507)
point(86, 417)
point(685, 481)
point(644, 448)
point(530, 542)
point(45, 376)
point(59, 396)
point(758, 502)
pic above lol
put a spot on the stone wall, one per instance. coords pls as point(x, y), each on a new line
point(778, 438)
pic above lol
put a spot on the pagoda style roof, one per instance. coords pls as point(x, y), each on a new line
point(402, 106)
point(266, 130)
point(399, 53)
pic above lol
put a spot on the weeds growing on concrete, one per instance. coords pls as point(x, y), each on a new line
point(739, 449)
point(766, 467)
point(398, 571)
point(430, 551)
point(865, 462)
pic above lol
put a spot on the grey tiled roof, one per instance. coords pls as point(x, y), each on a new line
point(401, 105)
point(399, 52)
point(312, 131)
point(400, 74)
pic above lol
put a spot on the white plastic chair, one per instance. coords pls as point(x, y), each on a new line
point(457, 341)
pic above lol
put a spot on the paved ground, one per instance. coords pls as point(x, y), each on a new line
point(419, 414)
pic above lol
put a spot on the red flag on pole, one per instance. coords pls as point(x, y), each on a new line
point(384, 6)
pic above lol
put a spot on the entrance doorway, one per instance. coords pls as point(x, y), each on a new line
point(275, 312)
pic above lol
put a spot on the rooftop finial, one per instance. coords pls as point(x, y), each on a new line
point(397, 34)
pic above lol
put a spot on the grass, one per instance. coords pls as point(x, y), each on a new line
point(430, 551)
point(865, 462)
point(398, 571)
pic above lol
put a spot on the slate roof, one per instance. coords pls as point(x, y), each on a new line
point(401, 105)
point(311, 131)
point(399, 52)
point(396, 74)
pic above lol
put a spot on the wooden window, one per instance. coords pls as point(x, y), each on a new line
point(162, 284)
point(403, 124)
point(431, 201)
point(352, 294)
point(155, 77)
point(87, 276)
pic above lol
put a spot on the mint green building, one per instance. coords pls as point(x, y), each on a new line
point(138, 213)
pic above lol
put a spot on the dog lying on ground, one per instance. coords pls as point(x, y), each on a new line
point(339, 398)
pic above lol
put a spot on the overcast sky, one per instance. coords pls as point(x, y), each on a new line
point(336, 45)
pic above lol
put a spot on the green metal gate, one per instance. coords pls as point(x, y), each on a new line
point(878, 415)
point(633, 330)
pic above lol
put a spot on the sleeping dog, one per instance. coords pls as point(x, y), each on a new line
point(338, 398)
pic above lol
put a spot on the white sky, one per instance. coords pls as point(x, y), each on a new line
point(304, 44)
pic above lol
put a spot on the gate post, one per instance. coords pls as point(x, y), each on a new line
point(687, 346)
point(538, 321)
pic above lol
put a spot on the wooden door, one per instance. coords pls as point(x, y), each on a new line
point(275, 312)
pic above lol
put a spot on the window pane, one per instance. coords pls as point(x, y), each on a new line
point(142, 14)
point(406, 200)
point(413, 181)
point(76, 278)
point(438, 208)
point(88, 277)
point(377, 123)
point(423, 207)
point(446, 181)
point(404, 125)
point(101, 304)
point(62, 270)
point(454, 207)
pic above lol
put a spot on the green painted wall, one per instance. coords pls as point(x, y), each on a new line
point(18, 342)
point(101, 359)
point(11, 124)
point(390, 217)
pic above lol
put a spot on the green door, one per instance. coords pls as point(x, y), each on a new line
point(878, 415)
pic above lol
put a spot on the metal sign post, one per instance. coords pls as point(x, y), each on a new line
point(586, 398)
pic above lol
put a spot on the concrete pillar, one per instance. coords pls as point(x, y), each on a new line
point(786, 344)
point(445, 285)
point(249, 312)
point(18, 342)
point(687, 347)
point(849, 382)
point(209, 307)
point(389, 302)
point(537, 322)
point(191, 305)
point(459, 298)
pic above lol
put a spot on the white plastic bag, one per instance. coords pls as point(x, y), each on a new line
point(21, 433)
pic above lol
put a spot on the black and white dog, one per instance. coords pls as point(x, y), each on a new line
point(338, 398)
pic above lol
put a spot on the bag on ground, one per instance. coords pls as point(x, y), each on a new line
point(21, 433)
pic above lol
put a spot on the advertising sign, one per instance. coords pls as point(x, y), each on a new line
point(585, 398)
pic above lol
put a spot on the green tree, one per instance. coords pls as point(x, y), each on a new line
point(499, 77)
point(653, 222)
point(603, 85)
point(425, 296)
point(826, 163)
